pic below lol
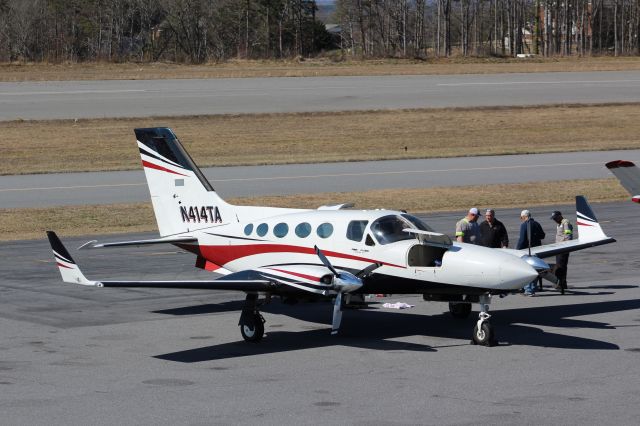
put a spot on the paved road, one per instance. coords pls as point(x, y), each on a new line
point(120, 187)
point(72, 355)
point(140, 98)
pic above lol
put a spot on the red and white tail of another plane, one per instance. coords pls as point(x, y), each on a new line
point(629, 176)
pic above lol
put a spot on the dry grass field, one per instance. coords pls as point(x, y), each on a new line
point(18, 224)
point(108, 144)
point(309, 68)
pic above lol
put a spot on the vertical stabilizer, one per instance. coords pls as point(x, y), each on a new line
point(183, 199)
point(588, 226)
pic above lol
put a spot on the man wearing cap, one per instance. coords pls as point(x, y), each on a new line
point(467, 228)
point(537, 235)
point(492, 231)
point(564, 232)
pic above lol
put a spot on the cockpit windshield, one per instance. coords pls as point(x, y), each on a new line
point(417, 223)
point(389, 229)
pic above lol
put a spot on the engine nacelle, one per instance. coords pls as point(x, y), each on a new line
point(536, 263)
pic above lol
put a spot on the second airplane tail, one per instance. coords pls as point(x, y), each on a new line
point(589, 228)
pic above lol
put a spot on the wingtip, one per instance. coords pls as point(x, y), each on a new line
point(59, 250)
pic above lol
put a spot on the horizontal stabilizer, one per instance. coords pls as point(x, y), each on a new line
point(168, 240)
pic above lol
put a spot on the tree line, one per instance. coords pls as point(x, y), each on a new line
point(419, 28)
point(197, 31)
point(193, 31)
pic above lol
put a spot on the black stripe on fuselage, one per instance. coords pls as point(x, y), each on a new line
point(388, 284)
point(294, 281)
point(233, 237)
point(341, 268)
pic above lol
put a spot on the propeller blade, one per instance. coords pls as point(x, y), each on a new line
point(369, 269)
point(337, 314)
point(529, 235)
point(326, 262)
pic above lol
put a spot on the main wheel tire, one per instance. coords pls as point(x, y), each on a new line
point(460, 310)
point(252, 329)
point(483, 335)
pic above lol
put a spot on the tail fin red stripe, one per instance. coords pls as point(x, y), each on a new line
point(155, 166)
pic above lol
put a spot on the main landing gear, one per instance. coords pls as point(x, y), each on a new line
point(483, 331)
point(251, 321)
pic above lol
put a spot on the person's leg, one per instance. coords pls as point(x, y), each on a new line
point(561, 271)
point(530, 289)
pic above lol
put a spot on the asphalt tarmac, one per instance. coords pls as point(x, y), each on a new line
point(143, 98)
point(76, 355)
point(47, 190)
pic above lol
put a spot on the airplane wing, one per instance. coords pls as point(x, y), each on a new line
point(628, 175)
point(284, 279)
point(589, 231)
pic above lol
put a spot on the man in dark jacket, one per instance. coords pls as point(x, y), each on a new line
point(492, 231)
point(537, 235)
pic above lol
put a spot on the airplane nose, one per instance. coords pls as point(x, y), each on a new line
point(515, 273)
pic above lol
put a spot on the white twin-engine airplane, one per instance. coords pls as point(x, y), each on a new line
point(328, 253)
point(628, 175)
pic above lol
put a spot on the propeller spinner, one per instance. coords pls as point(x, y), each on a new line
point(343, 282)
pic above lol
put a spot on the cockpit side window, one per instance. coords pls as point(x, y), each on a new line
point(355, 230)
point(389, 229)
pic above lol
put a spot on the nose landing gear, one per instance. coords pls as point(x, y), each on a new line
point(483, 333)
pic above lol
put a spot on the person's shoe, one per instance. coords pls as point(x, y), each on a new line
point(529, 294)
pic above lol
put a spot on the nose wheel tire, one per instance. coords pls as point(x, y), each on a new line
point(460, 310)
point(252, 328)
point(483, 335)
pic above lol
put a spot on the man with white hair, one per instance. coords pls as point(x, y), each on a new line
point(468, 229)
point(537, 235)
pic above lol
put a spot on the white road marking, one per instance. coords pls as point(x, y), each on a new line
point(72, 92)
point(71, 187)
point(514, 83)
point(399, 172)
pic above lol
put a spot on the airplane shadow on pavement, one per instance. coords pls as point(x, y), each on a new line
point(372, 329)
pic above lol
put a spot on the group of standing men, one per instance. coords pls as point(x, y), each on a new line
point(492, 233)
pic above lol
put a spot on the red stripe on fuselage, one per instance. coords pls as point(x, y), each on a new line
point(63, 266)
point(155, 166)
point(297, 274)
point(225, 254)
